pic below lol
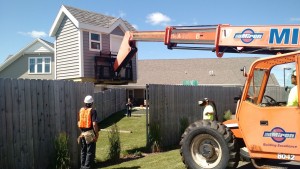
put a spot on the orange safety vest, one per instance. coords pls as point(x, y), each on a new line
point(85, 118)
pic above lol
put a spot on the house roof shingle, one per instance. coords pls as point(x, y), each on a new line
point(88, 18)
point(92, 18)
point(207, 71)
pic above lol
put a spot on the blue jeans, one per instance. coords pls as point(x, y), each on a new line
point(87, 154)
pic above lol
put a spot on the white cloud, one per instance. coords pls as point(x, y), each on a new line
point(34, 34)
point(158, 18)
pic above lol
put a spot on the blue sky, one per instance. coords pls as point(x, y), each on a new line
point(24, 20)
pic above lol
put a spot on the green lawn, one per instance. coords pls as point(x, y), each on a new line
point(133, 144)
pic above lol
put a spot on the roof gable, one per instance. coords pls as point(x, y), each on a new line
point(83, 19)
point(37, 46)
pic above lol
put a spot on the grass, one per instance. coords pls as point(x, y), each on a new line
point(134, 153)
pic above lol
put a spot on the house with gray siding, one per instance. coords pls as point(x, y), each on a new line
point(86, 45)
point(35, 61)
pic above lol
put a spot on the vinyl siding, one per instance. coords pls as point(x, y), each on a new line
point(67, 51)
point(88, 57)
point(105, 42)
point(19, 68)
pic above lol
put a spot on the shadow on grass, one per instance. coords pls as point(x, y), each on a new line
point(133, 154)
point(134, 167)
point(121, 160)
point(116, 117)
point(139, 149)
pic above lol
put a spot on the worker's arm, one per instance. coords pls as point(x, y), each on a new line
point(207, 113)
point(96, 129)
point(95, 124)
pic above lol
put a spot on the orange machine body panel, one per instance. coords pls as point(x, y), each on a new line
point(273, 131)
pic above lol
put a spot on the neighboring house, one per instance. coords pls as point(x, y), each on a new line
point(86, 45)
point(35, 61)
point(204, 71)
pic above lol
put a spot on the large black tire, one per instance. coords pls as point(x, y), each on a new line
point(207, 144)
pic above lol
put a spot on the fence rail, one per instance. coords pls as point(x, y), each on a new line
point(34, 112)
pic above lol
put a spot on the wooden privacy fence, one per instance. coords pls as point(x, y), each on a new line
point(109, 101)
point(169, 104)
point(34, 112)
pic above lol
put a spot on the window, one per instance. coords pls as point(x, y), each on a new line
point(271, 87)
point(115, 43)
point(95, 42)
point(255, 85)
point(39, 65)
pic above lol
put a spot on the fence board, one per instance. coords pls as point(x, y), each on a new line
point(9, 122)
point(57, 108)
point(22, 125)
point(16, 124)
point(3, 147)
point(62, 106)
point(46, 118)
point(67, 101)
point(29, 134)
point(52, 122)
point(33, 89)
point(41, 125)
point(74, 153)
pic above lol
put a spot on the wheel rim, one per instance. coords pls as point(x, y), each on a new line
point(206, 151)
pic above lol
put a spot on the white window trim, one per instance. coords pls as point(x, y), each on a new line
point(35, 65)
point(90, 41)
point(111, 42)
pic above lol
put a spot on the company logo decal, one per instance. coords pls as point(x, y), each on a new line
point(279, 135)
point(248, 35)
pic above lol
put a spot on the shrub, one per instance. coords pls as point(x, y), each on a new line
point(115, 145)
point(227, 115)
point(62, 155)
point(155, 137)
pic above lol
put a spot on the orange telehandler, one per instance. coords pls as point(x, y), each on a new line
point(263, 127)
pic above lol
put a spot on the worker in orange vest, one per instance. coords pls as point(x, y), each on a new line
point(88, 124)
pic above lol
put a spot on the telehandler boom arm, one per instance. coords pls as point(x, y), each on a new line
point(220, 39)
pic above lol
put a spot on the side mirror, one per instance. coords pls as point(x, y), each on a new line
point(244, 71)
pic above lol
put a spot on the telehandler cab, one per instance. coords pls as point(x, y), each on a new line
point(263, 127)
